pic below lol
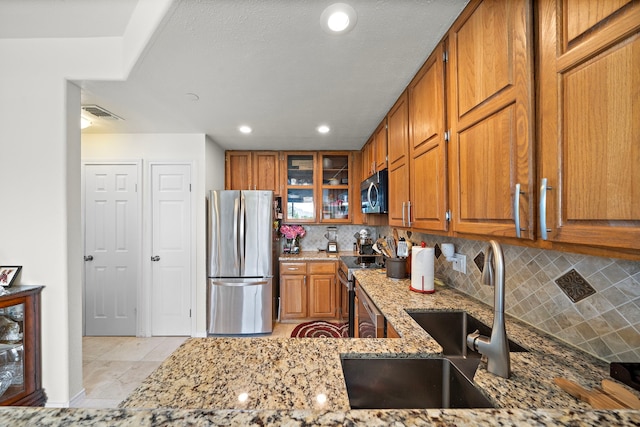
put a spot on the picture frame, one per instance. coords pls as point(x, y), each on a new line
point(9, 274)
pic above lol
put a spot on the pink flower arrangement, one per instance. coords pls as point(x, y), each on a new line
point(292, 231)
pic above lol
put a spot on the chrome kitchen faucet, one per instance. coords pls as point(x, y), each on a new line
point(495, 349)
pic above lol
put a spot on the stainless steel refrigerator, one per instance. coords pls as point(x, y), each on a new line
point(240, 262)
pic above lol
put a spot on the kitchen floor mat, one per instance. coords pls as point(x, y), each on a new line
point(320, 329)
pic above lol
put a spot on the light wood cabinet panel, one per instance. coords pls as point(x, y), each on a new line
point(293, 296)
point(427, 145)
point(380, 146)
point(253, 170)
point(308, 290)
point(368, 159)
point(590, 132)
point(391, 332)
point(237, 170)
point(322, 296)
point(491, 116)
point(266, 171)
point(398, 134)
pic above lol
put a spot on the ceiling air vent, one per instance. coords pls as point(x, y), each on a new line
point(100, 112)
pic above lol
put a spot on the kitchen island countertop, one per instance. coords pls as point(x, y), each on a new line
point(274, 381)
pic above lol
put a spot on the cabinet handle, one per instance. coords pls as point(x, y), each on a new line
point(155, 258)
point(516, 209)
point(543, 208)
point(88, 258)
point(409, 213)
point(403, 221)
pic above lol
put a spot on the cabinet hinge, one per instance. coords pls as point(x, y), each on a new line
point(189, 312)
point(136, 189)
point(447, 136)
point(189, 188)
point(447, 215)
point(445, 56)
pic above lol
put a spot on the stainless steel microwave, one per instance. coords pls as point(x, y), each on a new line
point(374, 194)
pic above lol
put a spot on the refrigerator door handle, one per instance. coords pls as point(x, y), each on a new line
point(236, 256)
point(241, 242)
point(246, 282)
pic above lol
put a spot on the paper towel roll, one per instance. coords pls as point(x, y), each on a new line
point(422, 270)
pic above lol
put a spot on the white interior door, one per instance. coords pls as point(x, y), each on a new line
point(171, 250)
point(112, 249)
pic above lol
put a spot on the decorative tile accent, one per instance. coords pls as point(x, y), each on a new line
point(437, 251)
point(575, 286)
point(479, 261)
point(533, 296)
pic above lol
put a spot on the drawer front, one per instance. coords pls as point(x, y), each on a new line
point(293, 268)
point(322, 267)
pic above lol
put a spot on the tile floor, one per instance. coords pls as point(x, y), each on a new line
point(112, 367)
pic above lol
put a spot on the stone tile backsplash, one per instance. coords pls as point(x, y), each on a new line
point(604, 323)
point(314, 239)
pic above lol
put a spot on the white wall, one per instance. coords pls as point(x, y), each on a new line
point(39, 183)
point(40, 175)
point(207, 159)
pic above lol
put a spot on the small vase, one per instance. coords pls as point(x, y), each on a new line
point(295, 249)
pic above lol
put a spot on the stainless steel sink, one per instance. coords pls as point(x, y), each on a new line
point(409, 384)
point(450, 330)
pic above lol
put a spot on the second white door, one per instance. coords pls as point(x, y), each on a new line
point(171, 250)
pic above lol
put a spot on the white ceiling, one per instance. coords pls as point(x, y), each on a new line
point(265, 63)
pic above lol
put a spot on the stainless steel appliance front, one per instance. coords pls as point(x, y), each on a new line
point(371, 321)
point(240, 272)
point(346, 267)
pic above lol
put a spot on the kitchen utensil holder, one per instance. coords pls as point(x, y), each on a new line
point(396, 268)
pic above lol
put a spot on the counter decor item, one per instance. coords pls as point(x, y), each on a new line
point(9, 275)
point(292, 234)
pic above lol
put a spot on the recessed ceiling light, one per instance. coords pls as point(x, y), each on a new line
point(339, 18)
point(323, 129)
point(245, 129)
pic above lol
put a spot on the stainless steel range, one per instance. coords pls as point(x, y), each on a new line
point(347, 265)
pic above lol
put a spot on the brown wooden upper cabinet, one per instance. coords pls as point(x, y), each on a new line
point(317, 186)
point(301, 178)
point(589, 73)
point(253, 170)
point(428, 205)
point(374, 152)
point(491, 119)
point(398, 133)
point(380, 146)
point(368, 159)
point(335, 169)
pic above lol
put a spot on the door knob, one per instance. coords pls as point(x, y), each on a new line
point(155, 258)
point(88, 257)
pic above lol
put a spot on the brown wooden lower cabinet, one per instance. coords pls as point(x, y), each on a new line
point(20, 349)
point(308, 290)
point(391, 332)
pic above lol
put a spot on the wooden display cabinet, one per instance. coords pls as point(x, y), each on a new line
point(20, 348)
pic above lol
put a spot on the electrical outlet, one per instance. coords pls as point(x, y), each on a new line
point(460, 263)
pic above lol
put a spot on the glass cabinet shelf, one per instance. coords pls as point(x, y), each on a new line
point(300, 189)
point(335, 187)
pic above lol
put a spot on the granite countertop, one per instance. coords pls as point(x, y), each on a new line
point(275, 381)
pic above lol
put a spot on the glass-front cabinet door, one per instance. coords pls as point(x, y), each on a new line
point(300, 187)
point(335, 186)
point(11, 351)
